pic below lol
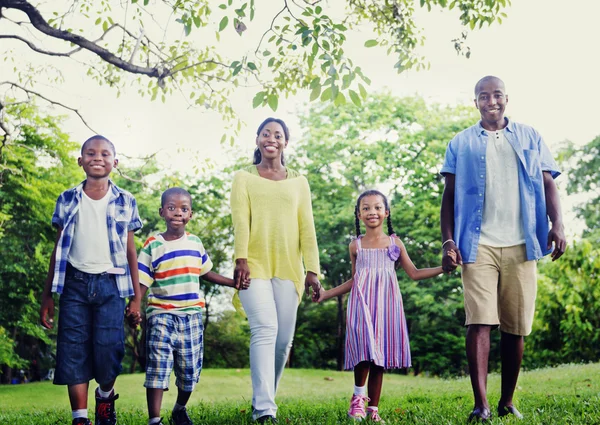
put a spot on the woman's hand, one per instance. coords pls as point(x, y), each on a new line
point(312, 281)
point(241, 274)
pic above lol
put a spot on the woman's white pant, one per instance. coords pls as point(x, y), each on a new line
point(271, 307)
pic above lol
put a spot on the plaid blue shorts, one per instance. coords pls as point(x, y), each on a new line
point(174, 343)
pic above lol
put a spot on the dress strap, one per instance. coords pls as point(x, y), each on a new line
point(358, 242)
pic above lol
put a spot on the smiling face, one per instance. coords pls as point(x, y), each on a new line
point(271, 141)
point(491, 100)
point(177, 211)
point(372, 211)
point(97, 158)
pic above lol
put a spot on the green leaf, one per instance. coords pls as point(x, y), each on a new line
point(318, 10)
point(223, 138)
point(314, 94)
point(258, 99)
point(354, 97)
point(98, 21)
point(315, 83)
point(326, 95)
point(197, 21)
point(252, 66)
point(223, 6)
point(104, 26)
point(223, 23)
point(363, 91)
point(371, 43)
point(272, 101)
point(340, 99)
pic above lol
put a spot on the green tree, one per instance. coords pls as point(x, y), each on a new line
point(398, 146)
point(567, 322)
point(568, 304)
point(166, 46)
point(583, 171)
point(35, 167)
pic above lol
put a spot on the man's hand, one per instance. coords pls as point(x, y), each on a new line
point(556, 236)
point(451, 257)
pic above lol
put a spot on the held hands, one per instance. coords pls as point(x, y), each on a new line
point(451, 257)
point(312, 281)
point(132, 313)
point(47, 311)
point(556, 235)
point(323, 296)
point(241, 274)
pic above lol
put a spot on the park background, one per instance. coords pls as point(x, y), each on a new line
point(391, 134)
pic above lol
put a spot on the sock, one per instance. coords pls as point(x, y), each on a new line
point(360, 390)
point(372, 409)
point(153, 421)
point(104, 394)
point(178, 407)
point(79, 413)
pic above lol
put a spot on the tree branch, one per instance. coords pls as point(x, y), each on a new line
point(38, 21)
point(53, 102)
point(34, 47)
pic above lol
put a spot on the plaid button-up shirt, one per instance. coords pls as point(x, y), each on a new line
point(122, 216)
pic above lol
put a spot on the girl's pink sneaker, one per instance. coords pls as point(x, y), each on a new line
point(357, 407)
point(373, 416)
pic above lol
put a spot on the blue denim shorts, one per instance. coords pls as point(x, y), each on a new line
point(174, 343)
point(91, 337)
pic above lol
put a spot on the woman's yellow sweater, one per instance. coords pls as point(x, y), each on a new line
point(273, 226)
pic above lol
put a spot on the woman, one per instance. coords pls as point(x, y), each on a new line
point(274, 231)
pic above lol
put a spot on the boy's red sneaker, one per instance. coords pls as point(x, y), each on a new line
point(105, 410)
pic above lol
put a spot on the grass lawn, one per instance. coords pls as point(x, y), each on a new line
point(564, 395)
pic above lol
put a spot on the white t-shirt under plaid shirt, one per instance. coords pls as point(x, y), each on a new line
point(122, 217)
point(171, 271)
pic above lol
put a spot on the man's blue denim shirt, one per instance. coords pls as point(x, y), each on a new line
point(465, 158)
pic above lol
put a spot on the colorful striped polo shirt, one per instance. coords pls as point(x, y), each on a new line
point(171, 271)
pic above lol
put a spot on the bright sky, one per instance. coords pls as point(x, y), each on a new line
point(542, 51)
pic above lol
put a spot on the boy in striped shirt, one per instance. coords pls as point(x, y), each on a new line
point(170, 265)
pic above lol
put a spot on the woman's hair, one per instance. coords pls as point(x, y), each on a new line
point(387, 208)
point(286, 132)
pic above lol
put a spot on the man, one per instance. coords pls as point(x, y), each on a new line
point(499, 193)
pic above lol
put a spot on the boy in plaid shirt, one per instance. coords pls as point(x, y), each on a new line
point(170, 265)
point(94, 268)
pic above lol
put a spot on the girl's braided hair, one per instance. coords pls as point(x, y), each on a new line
point(372, 192)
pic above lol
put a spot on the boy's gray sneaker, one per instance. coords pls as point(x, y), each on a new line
point(180, 418)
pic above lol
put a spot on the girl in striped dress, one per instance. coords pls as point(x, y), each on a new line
point(376, 332)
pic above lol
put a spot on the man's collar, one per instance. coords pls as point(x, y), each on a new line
point(510, 126)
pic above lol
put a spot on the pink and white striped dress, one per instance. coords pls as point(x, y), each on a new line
point(375, 324)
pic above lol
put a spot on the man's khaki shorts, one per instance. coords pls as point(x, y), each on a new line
point(500, 289)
